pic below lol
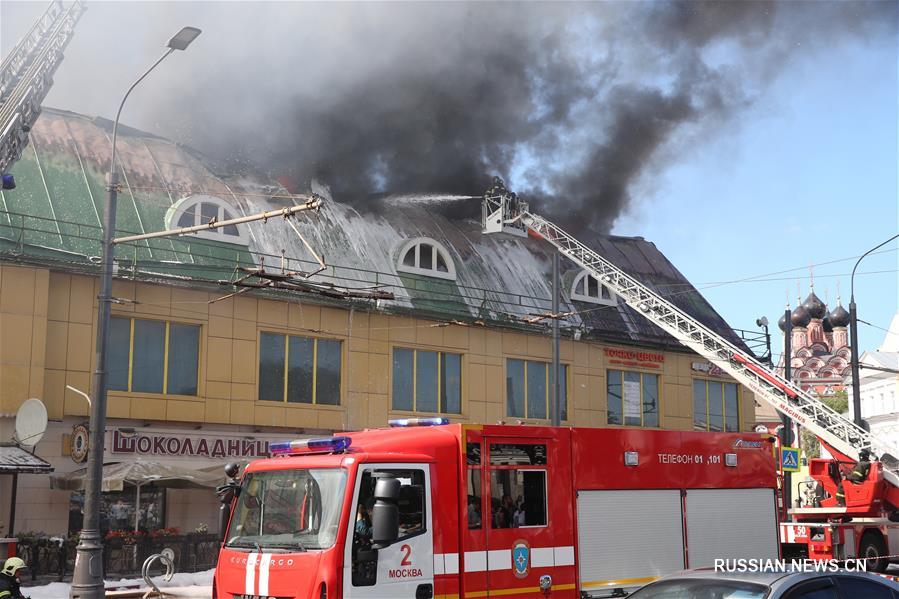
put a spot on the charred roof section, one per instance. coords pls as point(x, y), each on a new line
point(53, 218)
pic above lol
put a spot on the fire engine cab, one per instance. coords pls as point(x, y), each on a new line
point(425, 510)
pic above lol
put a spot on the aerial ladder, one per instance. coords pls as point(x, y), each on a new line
point(26, 76)
point(503, 211)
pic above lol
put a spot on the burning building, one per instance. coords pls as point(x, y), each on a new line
point(338, 319)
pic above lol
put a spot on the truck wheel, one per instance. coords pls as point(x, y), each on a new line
point(873, 549)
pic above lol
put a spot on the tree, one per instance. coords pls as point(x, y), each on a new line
point(809, 443)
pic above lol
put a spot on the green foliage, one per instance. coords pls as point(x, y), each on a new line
point(809, 443)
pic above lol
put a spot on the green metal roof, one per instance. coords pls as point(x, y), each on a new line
point(57, 206)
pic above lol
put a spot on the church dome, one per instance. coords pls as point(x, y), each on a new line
point(839, 317)
point(826, 325)
point(800, 317)
point(814, 306)
point(782, 323)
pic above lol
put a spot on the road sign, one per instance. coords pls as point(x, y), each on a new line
point(789, 459)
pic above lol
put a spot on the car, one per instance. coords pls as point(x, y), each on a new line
point(706, 583)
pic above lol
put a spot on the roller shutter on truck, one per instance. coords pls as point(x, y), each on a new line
point(627, 538)
point(730, 524)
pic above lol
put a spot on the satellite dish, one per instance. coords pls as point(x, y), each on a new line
point(31, 422)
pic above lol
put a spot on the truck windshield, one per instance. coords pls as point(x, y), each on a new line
point(289, 510)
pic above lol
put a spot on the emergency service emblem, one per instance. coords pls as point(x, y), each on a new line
point(521, 558)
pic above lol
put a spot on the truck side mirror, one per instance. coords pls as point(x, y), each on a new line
point(231, 470)
point(385, 514)
point(226, 494)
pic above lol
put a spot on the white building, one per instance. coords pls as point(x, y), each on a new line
point(879, 380)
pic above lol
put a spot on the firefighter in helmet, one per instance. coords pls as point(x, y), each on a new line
point(861, 469)
point(9, 579)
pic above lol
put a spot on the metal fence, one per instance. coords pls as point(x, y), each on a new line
point(50, 559)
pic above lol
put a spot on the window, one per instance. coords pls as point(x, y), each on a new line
point(427, 381)
point(517, 488)
point(586, 288)
point(518, 497)
point(859, 587)
point(412, 518)
point(633, 398)
point(299, 369)
point(716, 406)
point(118, 508)
point(202, 209)
point(153, 356)
point(528, 389)
point(427, 257)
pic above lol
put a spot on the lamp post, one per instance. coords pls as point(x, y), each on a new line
point(853, 339)
point(87, 580)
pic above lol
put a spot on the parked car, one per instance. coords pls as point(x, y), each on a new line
point(708, 584)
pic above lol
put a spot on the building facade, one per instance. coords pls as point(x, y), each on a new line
point(225, 341)
point(879, 391)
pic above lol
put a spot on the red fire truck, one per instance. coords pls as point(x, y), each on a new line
point(425, 509)
point(863, 525)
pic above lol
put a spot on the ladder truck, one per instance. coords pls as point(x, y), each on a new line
point(826, 526)
point(26, 76)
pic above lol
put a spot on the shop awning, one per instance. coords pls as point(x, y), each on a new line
point(15, 460)
point(137, 473)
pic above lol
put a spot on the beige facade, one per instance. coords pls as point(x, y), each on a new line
point(48, 328)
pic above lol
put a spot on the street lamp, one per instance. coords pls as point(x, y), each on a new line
point(87, 580)
point(853, 331)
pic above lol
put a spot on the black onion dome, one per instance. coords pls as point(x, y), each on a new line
point(800, 317)
point(814, 306)
point(782, 323)
point(828, 328)
point(839, 317)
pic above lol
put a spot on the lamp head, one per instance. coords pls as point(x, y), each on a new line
point(183, 38)
point(762, 322)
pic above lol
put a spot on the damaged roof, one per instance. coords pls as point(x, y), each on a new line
point(54, 217)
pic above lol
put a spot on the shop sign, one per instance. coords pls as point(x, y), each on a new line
point(708, 368)
point(632, 357)
point(184, 445)
point(80, 438)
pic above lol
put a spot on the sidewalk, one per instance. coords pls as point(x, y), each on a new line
point(184, 584)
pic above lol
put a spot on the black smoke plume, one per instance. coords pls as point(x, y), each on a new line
point(572, 103)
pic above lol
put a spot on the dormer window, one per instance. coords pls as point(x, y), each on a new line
point(423, 256)
point(202, 209)
point(586, 288)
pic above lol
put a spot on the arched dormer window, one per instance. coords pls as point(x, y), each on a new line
point(586, 288)
point(202, 209)
point(424, 256)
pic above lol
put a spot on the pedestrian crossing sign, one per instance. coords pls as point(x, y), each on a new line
point(789, 459)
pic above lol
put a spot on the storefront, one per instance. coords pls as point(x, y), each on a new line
point(174, 488)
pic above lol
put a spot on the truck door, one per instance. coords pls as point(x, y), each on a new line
point(522, 545)
point(404, 569)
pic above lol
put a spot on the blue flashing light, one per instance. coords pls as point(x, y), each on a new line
point(299, 446)
point(409, 422)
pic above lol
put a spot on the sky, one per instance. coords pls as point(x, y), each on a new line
point(793, 176)
point(808, 177)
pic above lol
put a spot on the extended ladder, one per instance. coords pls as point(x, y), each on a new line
point(27, 74)
point(830, 426)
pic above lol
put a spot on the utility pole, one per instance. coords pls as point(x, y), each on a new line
point(786, 436)
point(556, 406)
point(853, 339)
point(87, 579)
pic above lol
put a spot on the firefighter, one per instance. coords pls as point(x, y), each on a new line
point(841, 495)
point(9, 579)
point(861, 469)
